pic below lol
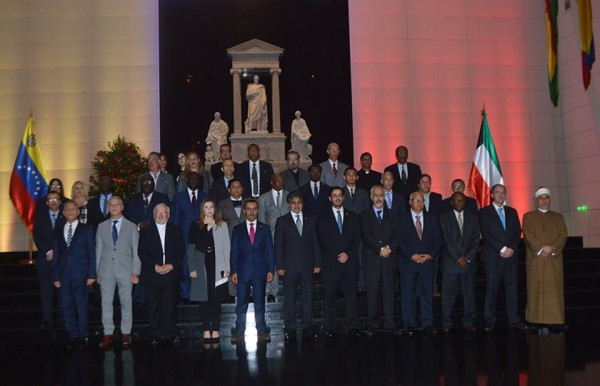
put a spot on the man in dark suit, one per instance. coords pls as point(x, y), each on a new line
point(252, 266)
point(333, 169)
point(74, 269)
point(367, 177)
point(98, 206)
point(433, 200)
point(294, 176)
point(380, 233)
point(140, 206)
point(161, 249)
point(355, 198)
point(338, 231)
point(47, 217)
point(460, 230)
point(298, 258)
point(315, 193)
point(406, 174)
point(216, 169)
point(420, 243)
point(458, 185)
point(501, 232)
point(163, 181)
point(254, 173)
point(220, 187)
point(186, 209)
point(393, 200)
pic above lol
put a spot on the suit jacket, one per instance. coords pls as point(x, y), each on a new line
point(314, 207)
point(376, 236)
point(367, 181)
point(252, 261)
point(470, 206)
point(135, 211)
point(205, 186)
point(332, 243)
point(229, 215)
point(95, 215)
point(183, 214)
point(295, 253)
point(357, 203)
point(327, 173)
point(411, 244)
point(289, 182)
point(165, 184)
point(216, 172)
point(494, 235)
point(268, 212)
point(435, 203)
point(264, 170)
point(150, 252)
point(456, 244)
point(120, 260)
point(218, 190)
point(43, 234)
point(76, 262)
point(398, 204)
point(414, 173)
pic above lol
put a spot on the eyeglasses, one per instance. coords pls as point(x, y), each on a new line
point(55, 186)
point(53, 200)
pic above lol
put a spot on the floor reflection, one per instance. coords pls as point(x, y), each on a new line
point(501, 358)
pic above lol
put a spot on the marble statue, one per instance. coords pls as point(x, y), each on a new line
point(300, 136)
point(217, 132)
point(256, 96)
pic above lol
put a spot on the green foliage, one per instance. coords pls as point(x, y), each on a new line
point(122, 161)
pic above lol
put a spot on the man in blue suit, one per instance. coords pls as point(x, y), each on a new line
point(186, 209)
point(140, 206)
point(74, 269)
point(420, 243)
point(252, 266)
point(315, 193)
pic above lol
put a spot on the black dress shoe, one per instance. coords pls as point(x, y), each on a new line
point(446, 330)
point(518, 325)
point(330, 334)
point(471, 329)
point(410, 332)
point(354, 333)
point(82, 343)
point(175, 340)
point(264, 336)
point(310, 333)
point(236, 336)
point(488, 327)
point(370, 332)
point(430, 330)
point(270, 298)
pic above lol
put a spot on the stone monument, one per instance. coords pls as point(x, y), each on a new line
point(217, 133)
point(300, 136)
point(252, 58)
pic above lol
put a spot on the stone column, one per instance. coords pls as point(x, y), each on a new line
point(275, 104)
point(237, 100)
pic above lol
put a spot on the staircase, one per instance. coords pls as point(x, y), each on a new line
point(20, 312)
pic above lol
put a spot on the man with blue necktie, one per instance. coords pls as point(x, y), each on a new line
point(501, 232)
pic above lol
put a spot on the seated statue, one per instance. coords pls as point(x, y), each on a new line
point(217, 132)
point(300, 136)
point(256, 96)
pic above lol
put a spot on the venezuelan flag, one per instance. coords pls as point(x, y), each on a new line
point(552, 43)
point(28, 182)
point(588, 54)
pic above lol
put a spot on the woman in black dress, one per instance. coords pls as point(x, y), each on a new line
point(208, 251)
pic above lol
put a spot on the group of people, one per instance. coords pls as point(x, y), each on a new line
point(236, 230)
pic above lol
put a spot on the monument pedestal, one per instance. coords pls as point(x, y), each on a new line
point(272, 147)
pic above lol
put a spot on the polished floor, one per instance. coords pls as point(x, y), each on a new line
point(504, 357)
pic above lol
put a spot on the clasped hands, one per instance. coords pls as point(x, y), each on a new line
point(163, 269)
point(421, 258)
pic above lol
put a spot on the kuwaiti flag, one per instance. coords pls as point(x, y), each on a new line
point(588, 52)
point(28, 182)
point(485, 171)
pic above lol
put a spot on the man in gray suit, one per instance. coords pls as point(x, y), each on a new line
point(294, 176)
point(117, 265)
point(333, 170)
point(163, 181)
point(273, 204)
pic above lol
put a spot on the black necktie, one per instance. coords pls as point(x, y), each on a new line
point(115, 234)
point(236, 203)
point(403, 174)
point(254, 181)
point(53, 220)
point(194, 202)
point(379, 218)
